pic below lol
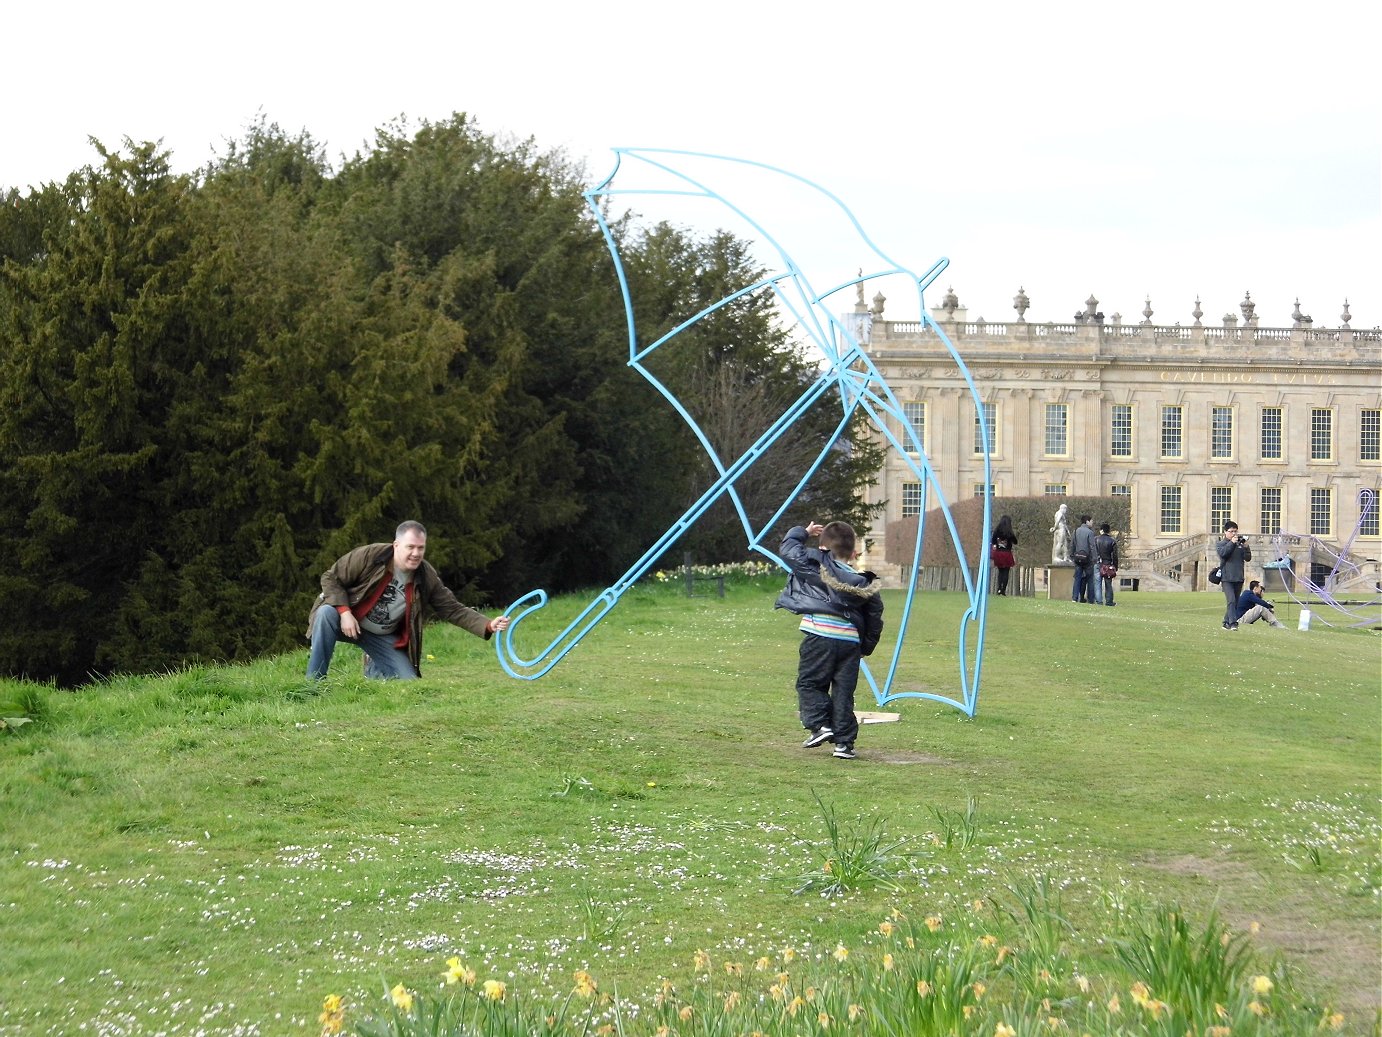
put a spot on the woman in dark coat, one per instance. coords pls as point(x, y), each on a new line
point(1001, 551)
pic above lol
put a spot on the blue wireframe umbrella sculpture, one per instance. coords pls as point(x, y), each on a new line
point(848, 379)
point(1346, 570)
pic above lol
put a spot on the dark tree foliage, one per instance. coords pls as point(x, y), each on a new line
point(216, 384)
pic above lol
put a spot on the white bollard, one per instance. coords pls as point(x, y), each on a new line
point(1304, 623)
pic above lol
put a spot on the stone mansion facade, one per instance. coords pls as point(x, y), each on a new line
point(1279, 428)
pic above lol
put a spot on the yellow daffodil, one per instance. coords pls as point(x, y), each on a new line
point(933, 922)
point(888, 963)
point(923, 988)
point(979, 990)
point(1002, 955)
point(685, 1014)
point(896, 915)
point(824, 1020)
point(1335, 1021)
point(886, 928)
point(1257, 1008)
point(762, 964)
point(1082, 984)
point(788, 954)
point(1218, 1031)
point(1255, 927)
point(854, 1012)
point(988, 941)
point(732, 1000)
point(1140, 993)
point(911, 943)
point(332, 1016)
point(585, 985)
point(976, 905)
point(794, 1005)
point(1113, 1006)
point(431, 658)
point(776, 992)
point(1262, 985)
point(700, 960)
point(733, 968)
point(829, 867)
point(968, 1011)
point(662, 1031)
point(458, 973)
point(810, 994)
point(495, 989)
point(1053, 1023)
point(840, 953)
point(402, 998)
point(1004, 1030)
point(605, 1030)
point(1220, 1010)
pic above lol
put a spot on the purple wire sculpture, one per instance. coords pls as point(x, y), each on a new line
point(848, 380)
point(1346, 575)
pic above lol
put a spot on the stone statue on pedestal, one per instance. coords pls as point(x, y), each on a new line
point(1060, 537)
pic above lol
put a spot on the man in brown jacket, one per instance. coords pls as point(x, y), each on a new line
point(377, 597)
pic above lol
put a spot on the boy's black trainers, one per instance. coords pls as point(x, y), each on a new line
point(821, 734)
point(844, 752)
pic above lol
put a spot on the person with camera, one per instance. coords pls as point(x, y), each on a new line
point(1233, 551)
point(1252, 607)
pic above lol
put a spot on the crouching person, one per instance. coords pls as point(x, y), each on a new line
point(1252, 607)
point(378, 597)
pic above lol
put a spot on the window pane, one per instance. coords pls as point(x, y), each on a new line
point(915, 413)
point(1321, 434)
point(1370, 435)
point(1221, 433)
point(1057, 429)
point(1369, 513)
point(1321, 512)
point(1271, 433)
point(1170, 508)
point(1120, 431)
point(1269, 512)
point(1220, 506)
point(1054, 489)
point(984, 419)
point(1170, 432)
point(911, 498)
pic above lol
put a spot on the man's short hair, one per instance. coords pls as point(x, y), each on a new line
point(411, 526)
point(1229, 524)
point(1085, 518)
point(1103, 528)
point(1254, 583)
point(838, 538)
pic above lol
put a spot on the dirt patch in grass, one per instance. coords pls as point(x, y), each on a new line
point(1345, 958)
point(904, 756)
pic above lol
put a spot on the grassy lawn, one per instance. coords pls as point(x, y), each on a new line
point(217, 850)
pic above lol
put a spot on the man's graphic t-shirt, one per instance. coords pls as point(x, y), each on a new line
point(387, 612)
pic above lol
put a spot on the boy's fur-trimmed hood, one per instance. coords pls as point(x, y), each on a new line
point(867, 590)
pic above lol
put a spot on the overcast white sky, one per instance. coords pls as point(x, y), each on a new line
point(1173, 149)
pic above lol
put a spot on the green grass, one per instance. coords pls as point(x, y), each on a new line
point(214, 851)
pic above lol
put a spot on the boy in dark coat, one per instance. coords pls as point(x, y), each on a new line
point(841, 620)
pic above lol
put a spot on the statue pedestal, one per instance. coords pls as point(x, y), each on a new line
point(1060, 581)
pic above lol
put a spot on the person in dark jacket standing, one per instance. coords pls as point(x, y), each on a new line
point(1001, 546)
point(1082, 554)
point(378, 597)
point(841, 620)
point(1106, 558)
point(1233, 551)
